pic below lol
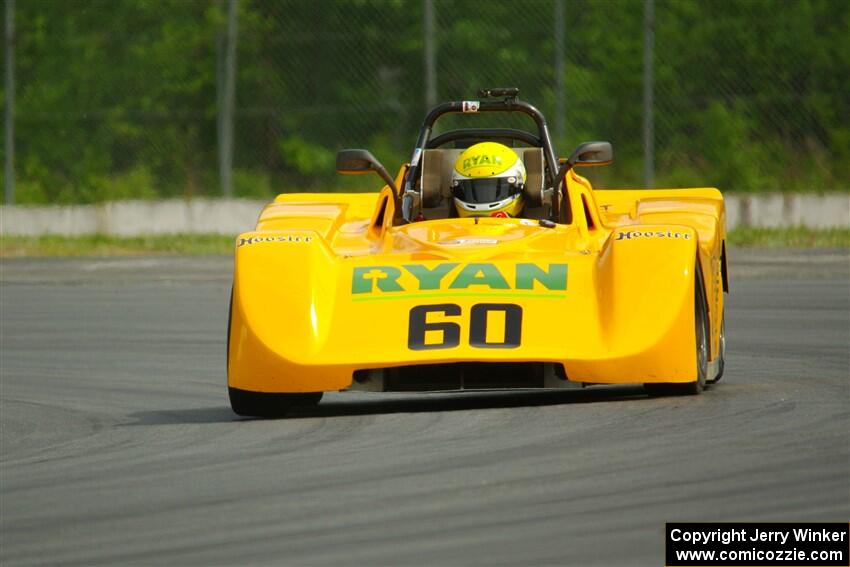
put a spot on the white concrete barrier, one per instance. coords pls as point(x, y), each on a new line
point(232, 216)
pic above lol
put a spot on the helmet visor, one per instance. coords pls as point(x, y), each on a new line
point(488, 190)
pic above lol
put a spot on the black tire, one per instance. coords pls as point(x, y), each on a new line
point(262, 404)
point(229, 323)
point(701, 324)
point(721, 362)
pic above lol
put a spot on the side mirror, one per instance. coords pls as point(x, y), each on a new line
point(362, 161)
point(591, 153)
point(586, 154)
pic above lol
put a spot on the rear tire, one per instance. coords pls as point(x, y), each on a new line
point(701, 324)
point(721, 362)
point(262, 404)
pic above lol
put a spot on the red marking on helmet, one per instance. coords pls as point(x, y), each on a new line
point(500, 215)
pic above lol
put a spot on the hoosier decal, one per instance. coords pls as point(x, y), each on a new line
point(636, 234)
point(279, 238)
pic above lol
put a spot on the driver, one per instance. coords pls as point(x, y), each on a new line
point(487, 181)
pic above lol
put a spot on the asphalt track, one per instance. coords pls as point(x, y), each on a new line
point(118, 446)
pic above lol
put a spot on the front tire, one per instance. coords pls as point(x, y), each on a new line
point(701, 324)
point(262, 404)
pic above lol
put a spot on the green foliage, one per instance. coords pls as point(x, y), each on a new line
point(118, 98)
point(31, 191)
point(306, 159)
point(138, 183)
point(105, 88)
point(252, 184)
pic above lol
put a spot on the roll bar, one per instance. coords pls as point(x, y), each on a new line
point(508, 104)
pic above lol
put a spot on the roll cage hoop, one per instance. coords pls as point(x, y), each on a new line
point(486, 134)
point(509, 103)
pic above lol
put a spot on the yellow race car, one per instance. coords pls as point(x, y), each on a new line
point(442, 281)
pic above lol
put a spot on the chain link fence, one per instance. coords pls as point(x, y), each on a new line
point(126, 99)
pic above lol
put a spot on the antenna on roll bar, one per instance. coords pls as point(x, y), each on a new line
point(510, 92)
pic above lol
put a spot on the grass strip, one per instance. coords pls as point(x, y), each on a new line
point(793, 237)
point(217, 244)
point(102, 245)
